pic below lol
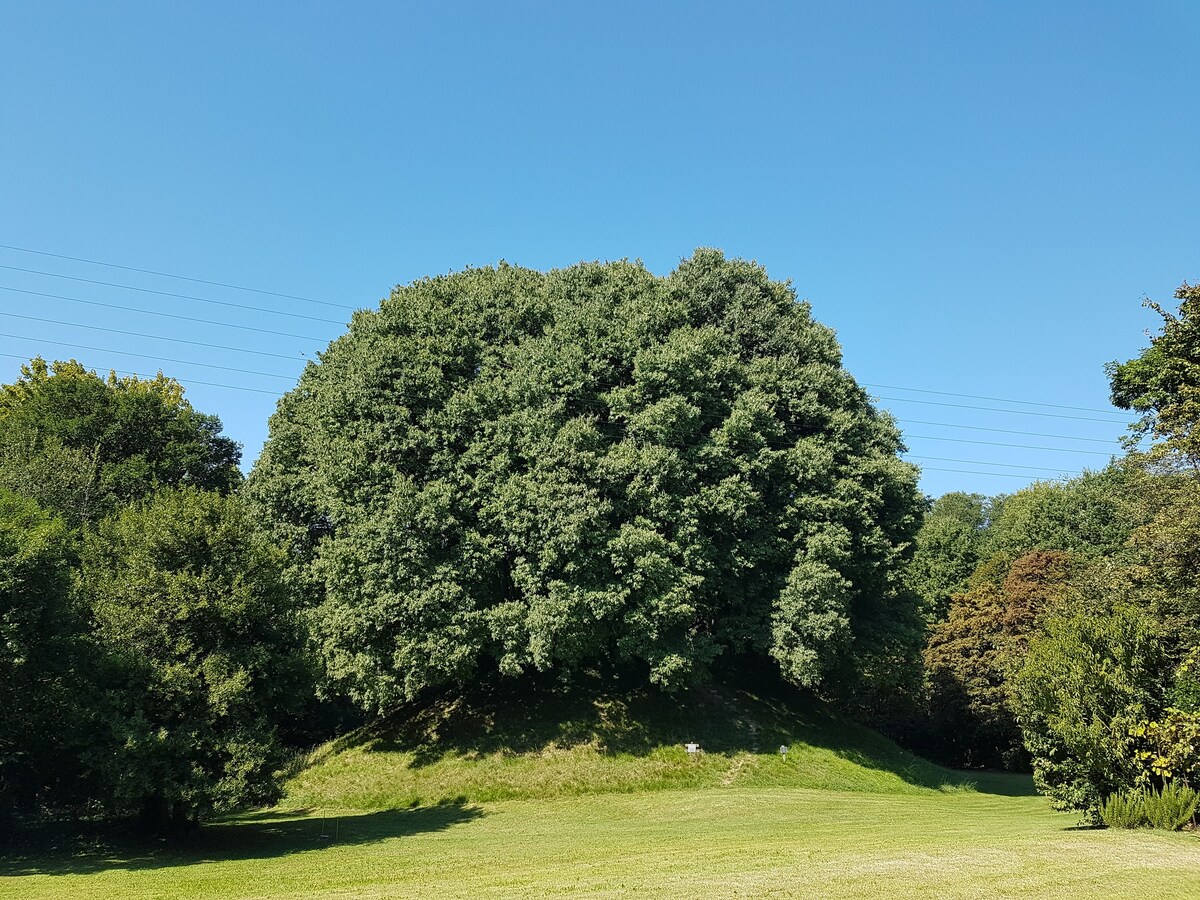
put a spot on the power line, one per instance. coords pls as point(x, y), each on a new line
point(161, 359)
point(184, 381)
point(928, 437)
point(294, 358)
point(235, 287)
point(154, 337)
point(344, 306)
point(980, 462)
point(130, 287)
point(971, 472)
point(165, 315)
point(893, 387)
point(1014, 412)
point(1064, 437)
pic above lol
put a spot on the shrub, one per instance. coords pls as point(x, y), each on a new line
point(1172, 807)
point(1088, 679)
point(1125, 809)
point(1169, 809)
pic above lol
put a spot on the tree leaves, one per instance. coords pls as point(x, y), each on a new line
point(503, 470)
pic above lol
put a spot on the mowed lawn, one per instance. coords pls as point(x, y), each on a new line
point(715, 842)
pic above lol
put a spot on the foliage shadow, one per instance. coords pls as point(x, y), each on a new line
point(94, 847)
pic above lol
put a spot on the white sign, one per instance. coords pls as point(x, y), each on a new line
point(692, 748)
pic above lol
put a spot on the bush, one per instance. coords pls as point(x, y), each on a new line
point(1088, 679)
point(1172, 807)
point(1125, 809)
point(1169, 809)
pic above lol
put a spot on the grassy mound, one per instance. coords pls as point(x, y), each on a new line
point(542, 743)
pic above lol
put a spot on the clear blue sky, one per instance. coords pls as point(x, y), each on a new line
point(975, 196)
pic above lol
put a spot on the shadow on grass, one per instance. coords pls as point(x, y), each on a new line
point(756, 716)
point(50, 850)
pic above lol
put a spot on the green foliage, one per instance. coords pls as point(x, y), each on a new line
point(504, 471)
point(1164, 553)
point(1163, 383)
point(1169, 748)
point(1185, 692)
point(1085, 515)
point(84, 444)
point(1125, 809)
point(1172, 807)
point(200, 646)
point(41, 657)
point(1169, 809)
point(949, 546)
point(1088, 679)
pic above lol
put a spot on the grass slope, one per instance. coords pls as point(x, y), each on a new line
point(543, 744)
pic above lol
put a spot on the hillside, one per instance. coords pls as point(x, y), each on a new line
point(544, 743)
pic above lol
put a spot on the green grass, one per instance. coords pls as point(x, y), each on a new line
point(542, 744)
point(546, 795)
point(719, 842)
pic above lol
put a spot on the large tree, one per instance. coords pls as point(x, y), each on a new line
point(503, 470)
point(1163, 383)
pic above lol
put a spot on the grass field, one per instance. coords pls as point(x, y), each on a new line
point(719, 842)
point(553, 797)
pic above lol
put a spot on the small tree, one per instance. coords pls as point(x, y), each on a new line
point(949, 546)
point(201, 650)
point(973, 654)
point(85, 444)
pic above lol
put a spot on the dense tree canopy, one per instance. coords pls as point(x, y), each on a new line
point(84, 444)
point(200, 642)
point(973, 654)
point(950, 544)
point(41, 655)
point(504, 470)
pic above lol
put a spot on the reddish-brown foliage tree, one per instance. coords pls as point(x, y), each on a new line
point(972, 655)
